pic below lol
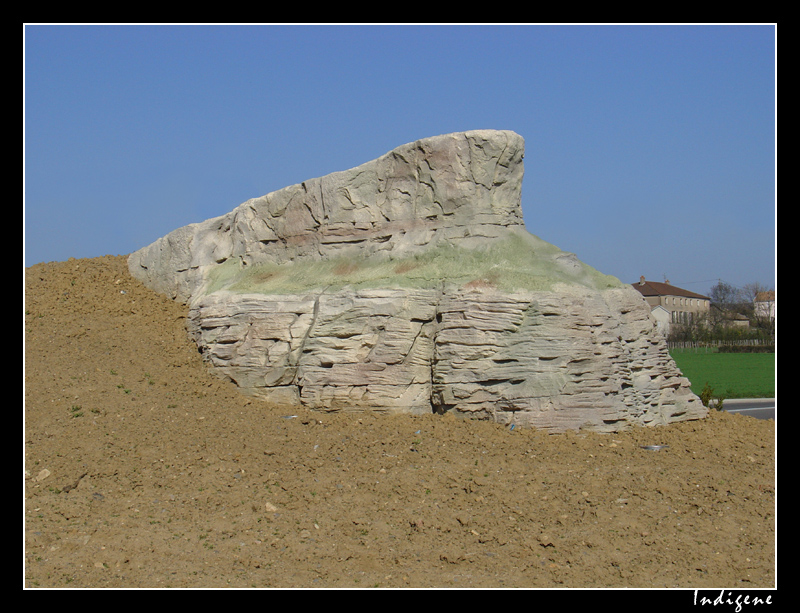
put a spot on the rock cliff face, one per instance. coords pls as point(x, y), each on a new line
point(410, 284)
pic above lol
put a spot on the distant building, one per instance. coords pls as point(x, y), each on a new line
point(730, 318)
point(662, 317)
point(672, 305)
point(765, 306)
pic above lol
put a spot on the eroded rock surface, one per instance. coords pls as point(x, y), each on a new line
point(409, 284)
point(459, 189)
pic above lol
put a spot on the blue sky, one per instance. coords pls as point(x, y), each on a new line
point(650, 149)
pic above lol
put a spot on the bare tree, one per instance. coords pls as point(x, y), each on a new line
point(725, 300)
point(725, 296)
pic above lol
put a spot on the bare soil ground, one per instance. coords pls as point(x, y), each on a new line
point(142, 469)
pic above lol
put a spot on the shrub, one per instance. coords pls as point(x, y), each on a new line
point(707, 395)
point(747, 348)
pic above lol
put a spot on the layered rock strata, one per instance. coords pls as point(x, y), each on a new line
point(410, 284)
point(458, 188)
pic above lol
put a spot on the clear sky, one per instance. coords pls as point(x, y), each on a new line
point(650, 149)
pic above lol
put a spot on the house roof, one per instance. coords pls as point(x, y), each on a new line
point(653, 288)
point(768, 296)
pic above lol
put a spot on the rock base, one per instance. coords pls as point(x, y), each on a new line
point(557, 361)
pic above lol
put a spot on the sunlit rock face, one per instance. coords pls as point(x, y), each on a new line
point(410, 284)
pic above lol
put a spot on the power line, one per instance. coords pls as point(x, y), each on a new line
point(690, 282)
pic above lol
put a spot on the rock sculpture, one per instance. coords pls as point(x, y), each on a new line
point(410, 284)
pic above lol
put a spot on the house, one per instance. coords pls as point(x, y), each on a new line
point(765, 306)
point(662, 317)
point(729, 318)
point(672, 305)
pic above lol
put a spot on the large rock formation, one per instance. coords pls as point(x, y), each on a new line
point(410, 284)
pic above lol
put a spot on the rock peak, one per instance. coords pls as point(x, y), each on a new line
point(459, 189)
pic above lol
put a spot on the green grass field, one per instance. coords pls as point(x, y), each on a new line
point(731, 375)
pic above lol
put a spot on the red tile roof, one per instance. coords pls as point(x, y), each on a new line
point(653, 288)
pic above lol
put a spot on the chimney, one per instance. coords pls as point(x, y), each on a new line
point(641, 280)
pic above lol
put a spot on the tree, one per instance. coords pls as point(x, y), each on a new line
point(725, 296)
point(727, 300)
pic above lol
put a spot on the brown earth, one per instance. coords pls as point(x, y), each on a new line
point(144, 470)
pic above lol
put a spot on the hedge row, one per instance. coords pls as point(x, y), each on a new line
point(747, 348)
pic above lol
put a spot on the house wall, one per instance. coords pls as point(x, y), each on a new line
point(662, 317)
point(681, 309)
point(765, 309)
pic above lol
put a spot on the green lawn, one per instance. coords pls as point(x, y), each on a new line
point(731, 375)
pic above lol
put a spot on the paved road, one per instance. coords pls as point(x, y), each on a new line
point(760, 408)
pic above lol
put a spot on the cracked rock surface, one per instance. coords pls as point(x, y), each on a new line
point(410, 285)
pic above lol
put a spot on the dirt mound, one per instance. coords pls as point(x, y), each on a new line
point(144, 470)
